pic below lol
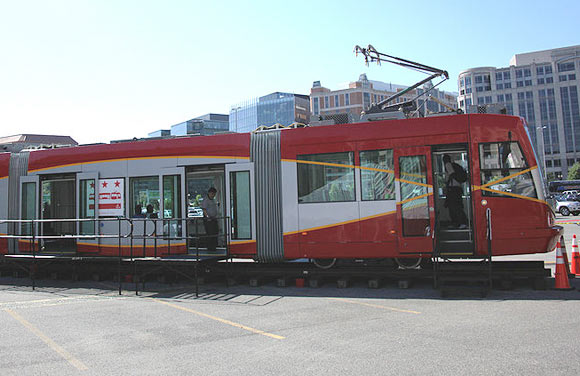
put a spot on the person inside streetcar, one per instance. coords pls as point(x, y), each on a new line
point(455, 177)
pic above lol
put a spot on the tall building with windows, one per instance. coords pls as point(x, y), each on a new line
point(542, 87)
point(205, 125)
point(274, 108)
point(359, 95)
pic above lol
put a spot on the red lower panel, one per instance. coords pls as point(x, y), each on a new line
point(3, 246)
point(349, 250)
point(243, 249)
point(292, 251)
point(524, 242)
point(382, 229)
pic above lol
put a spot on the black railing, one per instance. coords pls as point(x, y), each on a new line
point(188, 231)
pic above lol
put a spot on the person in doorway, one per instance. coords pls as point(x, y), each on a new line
point(210, 213)
point(455, 177)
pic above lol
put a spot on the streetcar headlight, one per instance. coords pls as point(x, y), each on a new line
point(551, 218)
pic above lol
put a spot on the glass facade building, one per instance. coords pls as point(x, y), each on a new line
point(275, 108)
point(542, 87)
point(205, 125)
point(160, 133)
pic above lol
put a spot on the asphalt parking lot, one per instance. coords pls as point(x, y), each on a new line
point(70, 328)
point(67, 328)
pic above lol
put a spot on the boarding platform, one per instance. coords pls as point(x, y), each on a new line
point(128, 250)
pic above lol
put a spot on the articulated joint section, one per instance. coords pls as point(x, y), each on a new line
point(265, 153)
point(18, 168)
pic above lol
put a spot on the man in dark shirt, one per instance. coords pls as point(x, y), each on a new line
point(454, 193)
point(210, 214)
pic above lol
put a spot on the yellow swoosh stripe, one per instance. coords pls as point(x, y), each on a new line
point(514, 195)
point(415, 183)
point(325, 164)
point(508, 177)
point(414, 198)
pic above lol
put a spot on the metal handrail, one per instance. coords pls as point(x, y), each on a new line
point(130, 234)
point(489, 244)
point(66, 236)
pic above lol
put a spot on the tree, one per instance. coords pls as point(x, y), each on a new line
point(574, 172)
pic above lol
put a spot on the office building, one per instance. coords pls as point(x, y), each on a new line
point(275, 108)
point(160, 133)
point(542, 87)
point(205, 125)
point(351, 100)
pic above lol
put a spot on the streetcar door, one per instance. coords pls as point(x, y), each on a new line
point(28, 210)
point(454, 222)
point(88, 186)
point(240, 203)
point(415, 207)
point(58, 202)
point(199, 179)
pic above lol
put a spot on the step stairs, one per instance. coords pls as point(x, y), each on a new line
point(454, 241)
point(464, 278)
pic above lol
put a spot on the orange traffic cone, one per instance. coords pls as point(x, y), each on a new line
point(575, 269)
point(565, 255)
point(562, 282)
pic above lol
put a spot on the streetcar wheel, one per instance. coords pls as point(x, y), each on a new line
point(408, 262)
point(324, 263)
point(565, 211)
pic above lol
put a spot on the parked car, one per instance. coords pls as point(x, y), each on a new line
point(566, 205)
point(194, 212)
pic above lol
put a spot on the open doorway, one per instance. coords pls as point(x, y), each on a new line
point(452, 196)
point(58, 202)
point(198, 181)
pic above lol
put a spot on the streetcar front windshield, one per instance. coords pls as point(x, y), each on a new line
point(541, 166)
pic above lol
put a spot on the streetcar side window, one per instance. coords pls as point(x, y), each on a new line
point(327, 177)
point(502, 171)
point(144, 194)
point(377, 175)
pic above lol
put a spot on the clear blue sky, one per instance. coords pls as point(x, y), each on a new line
point(112, 69)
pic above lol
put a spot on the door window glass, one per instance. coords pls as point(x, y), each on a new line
point(198, 180)
point(414, 195)
point(172, 205)
point(87, 206)
point(58, 201)
point(28, 206)
point(240, 205)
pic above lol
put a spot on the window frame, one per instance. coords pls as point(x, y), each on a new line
point(131, 206)
point(511, 171)
point(316, 163)
point(361, 168)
